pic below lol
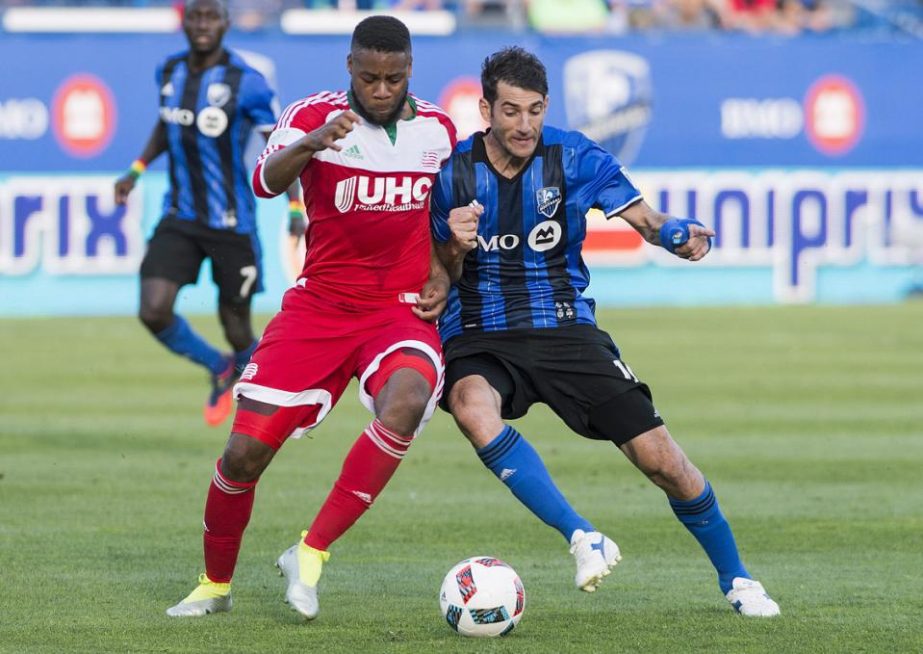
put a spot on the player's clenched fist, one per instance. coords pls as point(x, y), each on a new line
point(123, 186)
point(326, 136)
point(463, 222)
point(697, 245)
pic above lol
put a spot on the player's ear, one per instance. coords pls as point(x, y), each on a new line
point(547, 100)
point(409, 66)
point(349, 63)
point(484, 106)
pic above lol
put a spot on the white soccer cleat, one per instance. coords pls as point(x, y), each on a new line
point(749, 598)
point(596, 555)
point(208, 597)
point(301, 566)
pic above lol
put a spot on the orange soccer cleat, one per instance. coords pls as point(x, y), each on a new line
point(221, 399)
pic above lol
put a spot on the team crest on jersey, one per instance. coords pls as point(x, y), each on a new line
point(547, 200)
point(607, 96)
point(218, 94)
point(430, 160)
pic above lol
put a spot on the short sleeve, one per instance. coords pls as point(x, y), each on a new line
point(259, 101)
point(601, 180)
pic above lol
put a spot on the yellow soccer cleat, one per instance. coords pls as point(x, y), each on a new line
point(208, 597)
point(301, 566)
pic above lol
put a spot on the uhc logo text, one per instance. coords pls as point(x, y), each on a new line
point(363, 193)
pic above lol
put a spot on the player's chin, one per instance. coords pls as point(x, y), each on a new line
point(522, 148)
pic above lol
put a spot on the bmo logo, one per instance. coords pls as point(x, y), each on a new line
point(542, 238)
point(834, 115)
point(177, 116)
point(498, 242)
point(83, 115)
point(23, 118)
point(363, 193)
point(545, 236)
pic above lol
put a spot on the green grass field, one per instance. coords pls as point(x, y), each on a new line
point(807, 420)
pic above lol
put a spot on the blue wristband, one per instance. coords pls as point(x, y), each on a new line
point(675, 232)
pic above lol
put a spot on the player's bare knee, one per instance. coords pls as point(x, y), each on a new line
point(245, 458)
point(156, 318)
point(401, 404)
point(476, 409)
point(473, 422)
point(676, 476)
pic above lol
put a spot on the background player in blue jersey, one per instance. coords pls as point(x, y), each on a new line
point(210, 102)
point(509, 211)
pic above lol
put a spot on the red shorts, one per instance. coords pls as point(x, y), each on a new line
point(311, 350)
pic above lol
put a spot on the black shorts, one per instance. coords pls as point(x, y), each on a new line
point(576, 370)
point(178, 247)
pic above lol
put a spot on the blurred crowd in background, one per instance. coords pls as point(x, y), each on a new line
point(782, 17)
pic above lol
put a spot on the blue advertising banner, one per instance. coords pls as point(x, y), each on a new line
point(806, 156)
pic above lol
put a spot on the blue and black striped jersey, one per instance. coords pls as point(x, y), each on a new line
point(208, 117)
point(527, 270)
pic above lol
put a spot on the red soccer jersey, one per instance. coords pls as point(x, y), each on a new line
point(368, 204)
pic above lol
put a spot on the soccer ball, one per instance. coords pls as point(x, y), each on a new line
point(482, 596)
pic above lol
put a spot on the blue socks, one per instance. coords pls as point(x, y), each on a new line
point(180, 339)
point(518, 465)
point(242, 358)
point(704, 520)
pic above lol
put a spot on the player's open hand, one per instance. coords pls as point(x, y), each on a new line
point(432, 298)
point(697, 245)
point(463, 223)
point(123, 186)
point(326, 136)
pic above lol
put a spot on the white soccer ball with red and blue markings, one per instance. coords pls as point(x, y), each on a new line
point(482, 596)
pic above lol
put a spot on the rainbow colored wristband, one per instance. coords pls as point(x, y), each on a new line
point(295, 209)
point(136, 169)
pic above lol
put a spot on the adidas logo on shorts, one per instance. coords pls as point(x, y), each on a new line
point(249, 372)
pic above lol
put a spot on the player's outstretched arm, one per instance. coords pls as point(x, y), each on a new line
point(463, 224)
point(156, 145)
point(283, 167)
point(686, 238)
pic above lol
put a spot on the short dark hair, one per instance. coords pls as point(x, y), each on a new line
point(222, 4)
point(516, 67)
point(382, 34)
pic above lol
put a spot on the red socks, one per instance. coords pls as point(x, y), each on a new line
point(366, 470)
point(369, 465)
point(227, 512)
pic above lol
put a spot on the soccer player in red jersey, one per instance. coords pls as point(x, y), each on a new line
point(363, 307)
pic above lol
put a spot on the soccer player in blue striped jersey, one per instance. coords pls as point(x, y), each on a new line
point(210, 102)
point(509, 218)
